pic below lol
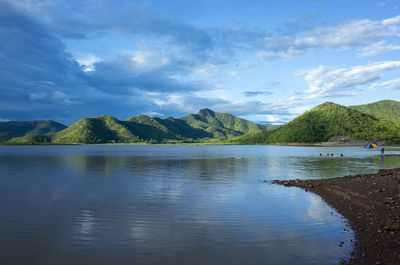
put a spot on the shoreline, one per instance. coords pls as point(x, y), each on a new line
point(324, 144)
point(371, 205)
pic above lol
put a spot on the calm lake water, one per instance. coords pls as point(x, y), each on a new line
point(172, 204)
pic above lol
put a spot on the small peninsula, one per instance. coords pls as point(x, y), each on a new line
point(371, 204)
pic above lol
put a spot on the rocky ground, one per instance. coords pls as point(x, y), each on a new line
point(371, 204)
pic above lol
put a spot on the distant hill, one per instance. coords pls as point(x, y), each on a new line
point(379, 120)
point(321, 123)
point(205, 126)
point(269, 127)
point(220, 125)
point(102, 129)
point(12, 129)
point(156, 129)
point(258, 137)
point(385, 110)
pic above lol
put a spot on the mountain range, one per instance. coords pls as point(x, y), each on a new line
point(204, 126)
point(12, 129)
point(378, 120)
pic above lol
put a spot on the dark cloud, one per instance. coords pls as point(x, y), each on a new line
point(40, 80)
point(256, 93)
point(83, 19)
point(33, 61)
point(94, 18)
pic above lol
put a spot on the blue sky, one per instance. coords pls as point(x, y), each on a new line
point(266, 61)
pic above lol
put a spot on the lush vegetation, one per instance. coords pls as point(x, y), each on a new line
point(220, 125)
point(380, 120)
point(269, 127)
point(12, 129)
point(323, 122)
point(258, 137)
point(388, 110)
point(102, 129)
point(204, 127)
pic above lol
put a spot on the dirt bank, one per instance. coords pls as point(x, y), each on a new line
point(371, 204)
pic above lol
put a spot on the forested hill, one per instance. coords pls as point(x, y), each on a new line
point(379, 120)
point(220, 124)
point(385, 110)
point(205, 126)
point(321, 123)
point(11, 129)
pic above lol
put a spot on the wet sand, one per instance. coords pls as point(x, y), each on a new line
point(371, 204)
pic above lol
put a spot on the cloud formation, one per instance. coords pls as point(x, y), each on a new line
point(256, 93)
point(152, 62)
point(391, 84)
point(33, 64)
point(324, 82)
point(38, 78)
point(378, 47)
point(352, 34)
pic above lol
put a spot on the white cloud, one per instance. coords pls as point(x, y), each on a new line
point(207, 70)
point(63, 98)
point(37, 96)
point(324, 82)
point(166, 100)
point(341, 36)
point(272, 118)
point(154, 113)
point(352, 34)
point(269, 55)
point(3, 120)
point(87, 62)
point(281, 107)
point(378, 47)
point(391, 21)
point(149, 59)
point(391, 84)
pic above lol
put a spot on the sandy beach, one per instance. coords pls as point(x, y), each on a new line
point(371, 204)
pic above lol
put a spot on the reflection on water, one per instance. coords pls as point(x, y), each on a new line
point(272, 166)
point(108, 166)
point(337, 167)
point(171, 204)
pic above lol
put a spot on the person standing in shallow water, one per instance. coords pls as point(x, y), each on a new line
point(383, 150)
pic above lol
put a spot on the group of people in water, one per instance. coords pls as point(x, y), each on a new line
point(341, 154)
point(330, 154)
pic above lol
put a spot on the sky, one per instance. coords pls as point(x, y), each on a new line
point(265, 61)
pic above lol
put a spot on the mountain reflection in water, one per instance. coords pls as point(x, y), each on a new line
point(171, 204)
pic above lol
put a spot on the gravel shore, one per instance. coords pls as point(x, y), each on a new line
point(371, 204)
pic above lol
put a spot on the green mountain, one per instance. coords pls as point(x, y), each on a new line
point(258, 137)
point(220, 125)
point(156, 129)
point(323, 122)
point(269, 127)
point(205, 126)
point(384, 110)
point(379, 120)
point(102, 129)
point(12, 129)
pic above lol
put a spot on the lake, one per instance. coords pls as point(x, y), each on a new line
point(127, 204)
